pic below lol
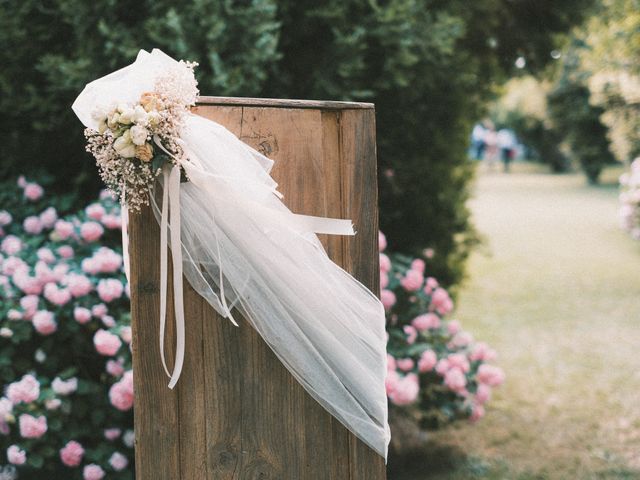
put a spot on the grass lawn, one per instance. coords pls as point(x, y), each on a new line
point(556, 291)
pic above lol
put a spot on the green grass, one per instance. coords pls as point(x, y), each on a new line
point(556, 290)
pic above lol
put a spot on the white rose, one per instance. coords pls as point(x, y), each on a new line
point(153, 118)
point(139, 115)
point(124, 146)
point(138, 134)
point(126, 116)
point(113, 119)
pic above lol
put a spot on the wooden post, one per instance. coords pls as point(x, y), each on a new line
point(236, 412)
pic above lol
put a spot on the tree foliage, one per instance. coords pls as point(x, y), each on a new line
point(428, 65)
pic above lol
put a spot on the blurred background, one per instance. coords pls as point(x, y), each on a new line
point(509, 205)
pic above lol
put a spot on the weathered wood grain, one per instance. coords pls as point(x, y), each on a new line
point(236, 412)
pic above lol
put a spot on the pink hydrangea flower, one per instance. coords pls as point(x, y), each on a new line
point(490, 375)
point(411, 333)
point(44, 322)
point(115, 367)
point(29, 304)
point(441, 302)
point(91, 231)
point(48, 217)
point(11, 265)
point(412, 281)
point(461, 339)
point(33, 191)
point(26, 390)
point(57, 296)
point(405, 364)
point(16, 456)
point(118, 461)
point(25, 282)
point(64, 387)
point(430, 285)
point(453, 327)
point(79, 285)
point(110, 289)
point(52, 403)
point(112, 434)
point(125, 334)
point(455, 380)
point(14, 314)
point(65, 251)
point(427, 361)
point(95, 211)
point(32, 427)
point(46, 255)
point(108, 321)
point(93, 472)
point(99, 310)
point(418, 265)
point(482, 353)
point(477, 412)
point(483, 394)
point(81, 315)
point(5, 218)
point(459, 360)
point(384, 280)
point(63, 229)
point(406, 390)
point(121, 392)
point(104, 260)
point(388, 299)
point(382, 241)
point(426, 321)
point(106, 343)
point(71, 454)
point(11, 245)
point(385, 263)
point(111, 221)
point(32, 225)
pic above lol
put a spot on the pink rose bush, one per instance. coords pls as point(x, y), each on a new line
point(436, 372)
point(65, 363)
point(630, 200)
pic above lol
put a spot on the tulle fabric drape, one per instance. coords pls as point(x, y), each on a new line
point(243, 248)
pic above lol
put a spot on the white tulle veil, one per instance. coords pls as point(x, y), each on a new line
point(243, 248)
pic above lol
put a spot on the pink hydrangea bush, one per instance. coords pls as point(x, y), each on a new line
point(630, 200)
point(436, 372)
point(66, 388)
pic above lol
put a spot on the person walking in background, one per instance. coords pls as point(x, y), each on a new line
point(506, 144)
point(477, 141)
point(491, 146)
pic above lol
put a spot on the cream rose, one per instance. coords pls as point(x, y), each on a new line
point(138, 134)
point(124, 146)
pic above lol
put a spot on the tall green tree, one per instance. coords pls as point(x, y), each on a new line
point(429, 66)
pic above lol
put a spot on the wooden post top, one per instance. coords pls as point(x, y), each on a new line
point(283, 103)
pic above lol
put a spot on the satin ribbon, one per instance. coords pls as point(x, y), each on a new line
point(170, 235)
